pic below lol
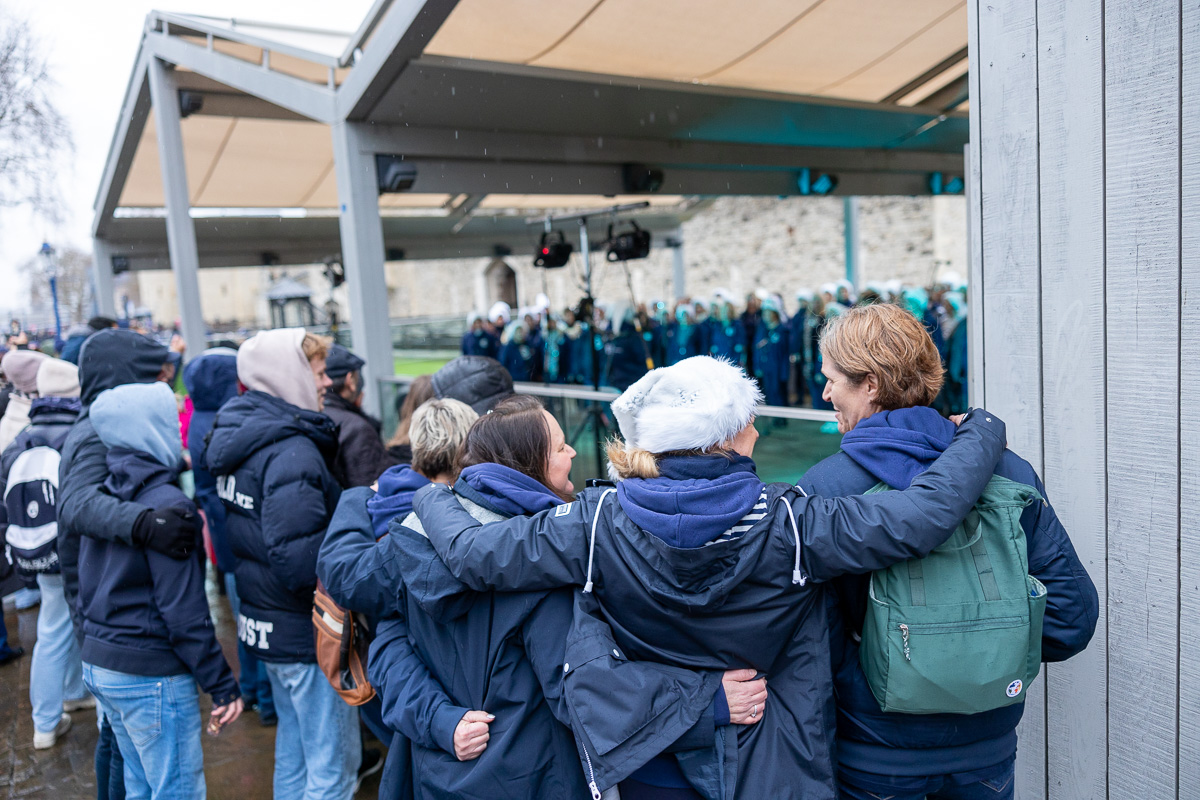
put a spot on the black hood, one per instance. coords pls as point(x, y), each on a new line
point(247, 424)
point(114, 357)
point(478, 381)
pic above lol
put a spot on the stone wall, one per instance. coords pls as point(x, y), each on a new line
point(735, 243)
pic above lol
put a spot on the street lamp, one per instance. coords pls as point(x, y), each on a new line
point(48, 254)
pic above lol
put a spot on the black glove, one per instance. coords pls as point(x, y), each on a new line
point(170, 531)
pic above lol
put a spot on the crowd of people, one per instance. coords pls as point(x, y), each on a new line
point(777, 343)
point(683, 630)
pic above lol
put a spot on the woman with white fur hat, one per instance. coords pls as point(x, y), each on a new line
point(695, 562)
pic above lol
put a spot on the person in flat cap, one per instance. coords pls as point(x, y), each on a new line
point(361, 457)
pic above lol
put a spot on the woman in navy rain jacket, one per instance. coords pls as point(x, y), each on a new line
point(696, 563)
point(880, 386)
point(771, 363)
point(504, 653)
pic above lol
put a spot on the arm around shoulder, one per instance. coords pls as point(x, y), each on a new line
point(542, 551)
point(869, 532)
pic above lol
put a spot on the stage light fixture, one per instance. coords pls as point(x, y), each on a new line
point(394, 174)
point(190, 103)
point(628, 246)
point(553, 251)
point(641, 179)
point(818, 183)
point(940, 183)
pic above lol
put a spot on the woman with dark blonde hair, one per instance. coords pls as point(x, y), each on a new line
point(696, 563)
point(882, 372)
point(419, 391)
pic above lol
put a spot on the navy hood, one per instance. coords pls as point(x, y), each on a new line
point(211, 379)
point(393, 500)
point(696, 499)
point(114, 357)
point(248, 423)
point(897, 446)
point(506, 491)
point(132, 472)
point(426, 577)
point(43, 406)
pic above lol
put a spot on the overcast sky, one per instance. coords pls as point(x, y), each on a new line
point(91, 45)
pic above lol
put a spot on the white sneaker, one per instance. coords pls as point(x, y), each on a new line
point(44, 741)
point(81, 704)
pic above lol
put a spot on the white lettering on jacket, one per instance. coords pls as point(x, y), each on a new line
point(227, 491)
point(254, 633)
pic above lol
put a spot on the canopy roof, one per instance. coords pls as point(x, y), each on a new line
point(509, 106)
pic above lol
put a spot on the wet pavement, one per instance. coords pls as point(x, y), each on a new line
point(238, 764)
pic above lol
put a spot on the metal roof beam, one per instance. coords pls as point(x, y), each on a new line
point(527, 177)
point(400, 36)
point(304, 98)
point(416, 142)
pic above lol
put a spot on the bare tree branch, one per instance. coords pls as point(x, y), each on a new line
point(34, 135)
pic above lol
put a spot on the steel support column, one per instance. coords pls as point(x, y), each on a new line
point(181, 232)
point(678, 269)
point(102, 278)
point(850, 232)
point(363, 257)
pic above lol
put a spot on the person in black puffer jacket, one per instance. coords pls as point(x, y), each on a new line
point(148, 640)
point(271, 451)
point(211, 381)
point(361, 457)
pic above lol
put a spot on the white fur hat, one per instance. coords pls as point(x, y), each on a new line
point(500, 310)
point(694, 404)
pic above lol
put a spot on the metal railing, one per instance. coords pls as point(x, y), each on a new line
point(790, 439)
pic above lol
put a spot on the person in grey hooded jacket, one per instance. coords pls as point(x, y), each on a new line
point(696, 563)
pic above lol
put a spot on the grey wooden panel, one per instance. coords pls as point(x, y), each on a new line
point(1071, 146)
point(1006, 59)
point(1142, 74)
point(1189, 415)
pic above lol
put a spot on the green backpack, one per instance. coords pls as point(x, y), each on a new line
point(959, 631)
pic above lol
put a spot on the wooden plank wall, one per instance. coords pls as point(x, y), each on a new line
point(1071, 146)
point(1084, 219)
point(1189, 412)
point(1142, 217)
point(1005, 61)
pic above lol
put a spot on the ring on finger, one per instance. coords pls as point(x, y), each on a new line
point(753, 711)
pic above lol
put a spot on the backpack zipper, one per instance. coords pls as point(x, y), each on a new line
point(904, 636)
point(595, 790)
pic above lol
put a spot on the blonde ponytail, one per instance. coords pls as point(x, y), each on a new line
point(630, 462)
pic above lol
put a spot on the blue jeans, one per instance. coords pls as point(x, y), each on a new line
point(56, 671)
point(252, 675)
point(318, 747)
point(993, 783)
point(156, 721)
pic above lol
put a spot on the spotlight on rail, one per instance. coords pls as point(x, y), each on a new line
point(120, 264)
point(630, 245)
point(190, 103)
point(940, 183)
point(641, 179)
point(809, 182)
point(394, 174)
point(553, 251)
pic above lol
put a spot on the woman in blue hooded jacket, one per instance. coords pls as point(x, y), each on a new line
point(697, 563)
point(883, 370)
